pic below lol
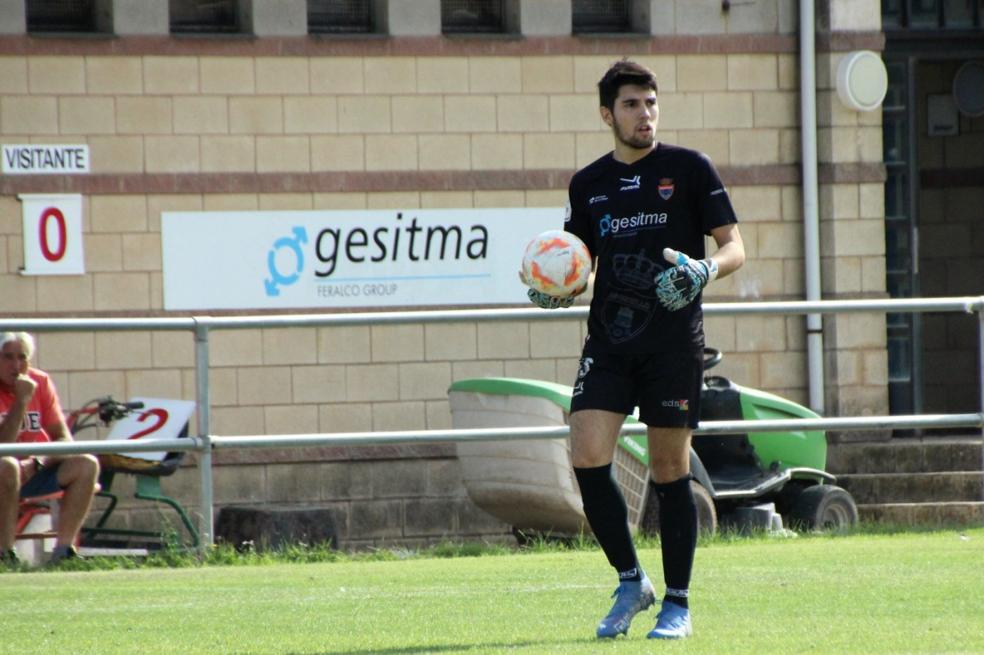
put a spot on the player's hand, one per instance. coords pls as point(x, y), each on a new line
point(545, 301)
point(24, 387)
point(678, 286)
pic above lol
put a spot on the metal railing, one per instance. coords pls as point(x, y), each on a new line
point(204, 443)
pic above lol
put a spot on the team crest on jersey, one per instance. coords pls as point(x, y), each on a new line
point(626, 315)
point(665, 188)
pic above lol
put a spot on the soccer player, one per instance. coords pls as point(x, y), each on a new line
point(30, 411)
point(643, 210)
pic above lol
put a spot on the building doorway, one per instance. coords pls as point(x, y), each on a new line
point(933, 140)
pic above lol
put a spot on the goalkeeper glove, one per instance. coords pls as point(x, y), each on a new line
point(545, 301)
point(678, 286)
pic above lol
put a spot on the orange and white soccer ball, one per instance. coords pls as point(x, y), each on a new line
point(556, 263)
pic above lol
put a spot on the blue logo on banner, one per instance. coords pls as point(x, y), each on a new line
point(278, 279)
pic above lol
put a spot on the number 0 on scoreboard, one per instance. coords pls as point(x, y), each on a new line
point(52, 234)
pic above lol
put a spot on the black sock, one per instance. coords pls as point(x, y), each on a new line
point(678, 536)
point(605, 509)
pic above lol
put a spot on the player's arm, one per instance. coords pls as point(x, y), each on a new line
point(680, 285)
point(52, 416)
point(730, 254)
point(53, 419)
point(10, 425)
point(58, 431)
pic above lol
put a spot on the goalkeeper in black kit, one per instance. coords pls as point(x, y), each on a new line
point(643, 211)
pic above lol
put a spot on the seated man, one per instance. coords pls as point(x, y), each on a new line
point(30, 411)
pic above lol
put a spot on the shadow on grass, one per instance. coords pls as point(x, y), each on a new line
point(451, 648)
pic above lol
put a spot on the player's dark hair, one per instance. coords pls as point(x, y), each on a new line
point(623, 72)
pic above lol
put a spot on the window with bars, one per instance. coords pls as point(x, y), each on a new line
point(340, 16)
point(597, 16)
point(472, 16)
point(203, 16)
point(61, 15)
point(932, 14)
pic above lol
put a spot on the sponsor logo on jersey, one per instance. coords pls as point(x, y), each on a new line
point(630, 183)
point(594, 199)
point(665, 188)
point(567, 211)
point(683, 405)
point(631, 224)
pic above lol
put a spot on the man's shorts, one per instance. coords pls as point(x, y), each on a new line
point(41, 484)
point(664, 386)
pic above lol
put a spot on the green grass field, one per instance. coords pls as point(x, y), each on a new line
point(893, 593)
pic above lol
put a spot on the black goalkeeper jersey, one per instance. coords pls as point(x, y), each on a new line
point(627, 214)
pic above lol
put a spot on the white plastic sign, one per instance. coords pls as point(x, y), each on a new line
point(44, 159)
point(364, 258)
point(159, 418)
point(52, 234)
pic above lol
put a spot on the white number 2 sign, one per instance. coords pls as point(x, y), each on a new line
point(159, 418)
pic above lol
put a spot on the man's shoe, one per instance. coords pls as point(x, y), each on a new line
point(630, 599)
point(63, 553)
point(673, 622)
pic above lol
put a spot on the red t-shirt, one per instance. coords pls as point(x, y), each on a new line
point(43, 408)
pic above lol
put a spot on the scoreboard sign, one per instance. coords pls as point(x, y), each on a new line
point(52, 234)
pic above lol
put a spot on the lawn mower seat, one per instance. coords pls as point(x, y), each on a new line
point(729, 459)
point(147, 475)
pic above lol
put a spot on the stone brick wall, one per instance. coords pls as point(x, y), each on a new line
point(852, 238)
point(301, 123)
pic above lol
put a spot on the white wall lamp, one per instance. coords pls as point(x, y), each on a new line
point(862, 80)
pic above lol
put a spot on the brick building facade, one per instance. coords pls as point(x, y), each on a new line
point(278, 119)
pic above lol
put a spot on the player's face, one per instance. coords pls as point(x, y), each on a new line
point(13, 362)
point(634, 117)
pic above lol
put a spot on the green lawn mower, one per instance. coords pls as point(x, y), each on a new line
point(766, 480)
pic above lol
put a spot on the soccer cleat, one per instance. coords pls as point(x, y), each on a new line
point(673, 622)
point(630, 599)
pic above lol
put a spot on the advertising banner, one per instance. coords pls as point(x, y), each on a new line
point(326, 259)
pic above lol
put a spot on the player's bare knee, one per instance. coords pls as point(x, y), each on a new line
point(668, 467)
point(9, 469)
point(588, 451)
point(79, 469)
point(88, 468)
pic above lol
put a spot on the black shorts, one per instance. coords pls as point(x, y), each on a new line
point(664, 386)
point(41, 484)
